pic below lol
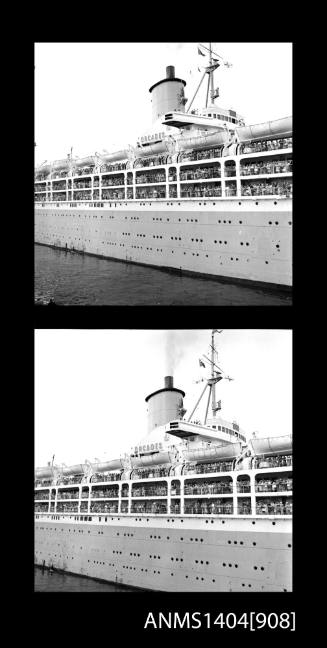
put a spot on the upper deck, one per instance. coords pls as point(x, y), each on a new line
point(260, 486)
point(257, 168)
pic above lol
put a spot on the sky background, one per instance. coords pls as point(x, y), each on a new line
point(94, 96)
point(90, 385)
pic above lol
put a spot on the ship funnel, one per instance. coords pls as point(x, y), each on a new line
point(167, 95)
point(164, 405)
point(170, 72)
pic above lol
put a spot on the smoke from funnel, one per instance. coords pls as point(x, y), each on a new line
point(177, 344)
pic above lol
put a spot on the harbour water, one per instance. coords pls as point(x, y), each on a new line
point(46, 581)
point(74, 279)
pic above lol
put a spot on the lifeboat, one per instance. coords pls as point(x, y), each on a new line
point(43, 473)
point(60, 165)
point(275, 445)
point(215, 453)
point(44, 169)
point(204, 141)
point(266, 130)
point(85, 162)
point(154, 459)
point(105, 466)
point(77, 469)
point(113, 157)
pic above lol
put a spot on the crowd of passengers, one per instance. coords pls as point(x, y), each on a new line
point(107, 477)
point(63, 507)
point(105, 492)
point(149, 507)
point(244, 508)
point(130, 194)
point(281, 484)
point(172, 175)
point(72, 494)
point(82, 195)
point(40, 196)
point(219, 466)
point(84, 171)
point(146, 491)
point(271, 506)
point(230, 189)
point(112, 181)
point(243, 486)
point(175, 488)
point(151, 161)
point(119, 166)
point(149, 473)
point(173, 192)
point(201, 507)
point(57, 186)
point(40, 508)
point(267, 188)
point(198, 173)
point(59, 197)
point(230, 169)
point(145, 178)
point(196, 488)
point(41, 482)
point(41, 496)
point(199, 191)
point(84, 506)
point(144, 193)
point(175, 507)
point(275, 461)
point(104, 507)
point(266, 166)
point(73, 479)
point(82, 184)
point(111, 194)
point(266, 145)
point(201, 154)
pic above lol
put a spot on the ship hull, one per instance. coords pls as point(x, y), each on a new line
point(183, 553)
point(234, 239)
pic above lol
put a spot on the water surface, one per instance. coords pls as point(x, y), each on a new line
point(75, 279)
point(45, 581)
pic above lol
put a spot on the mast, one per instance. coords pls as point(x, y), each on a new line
point(212, 93)
point(213, 373)
point(211, 382)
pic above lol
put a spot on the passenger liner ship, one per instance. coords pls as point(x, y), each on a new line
point(199, 193)
point(193, 507)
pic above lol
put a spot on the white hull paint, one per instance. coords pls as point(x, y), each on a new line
point(236, 238)
point(179, 553)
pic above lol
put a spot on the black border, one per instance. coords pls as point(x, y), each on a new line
point(115, 618)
